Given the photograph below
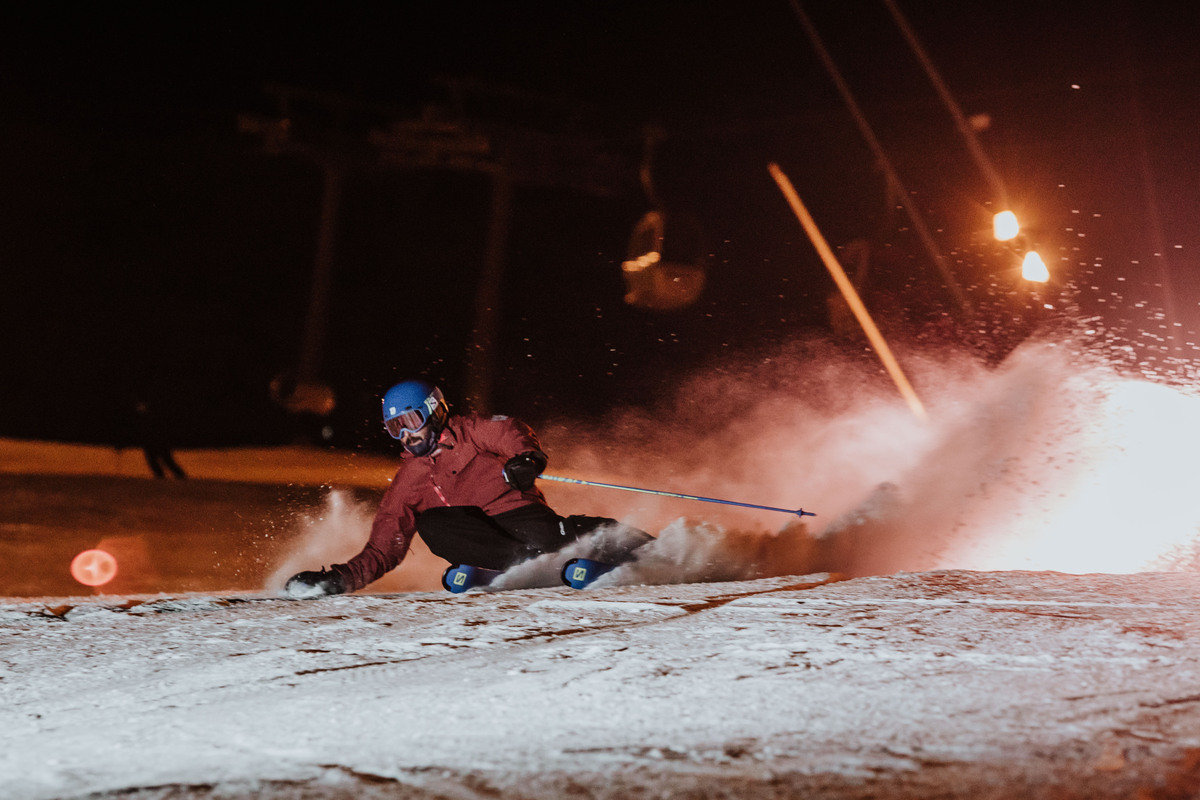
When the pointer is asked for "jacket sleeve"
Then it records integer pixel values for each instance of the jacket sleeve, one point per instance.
(505, 437)
(391, 534)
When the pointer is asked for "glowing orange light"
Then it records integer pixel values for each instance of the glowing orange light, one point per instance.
(93, 568)
(1034, 269)
(642, 262)
(1005, 226)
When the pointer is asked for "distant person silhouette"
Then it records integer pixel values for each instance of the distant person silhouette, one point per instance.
(147, 433)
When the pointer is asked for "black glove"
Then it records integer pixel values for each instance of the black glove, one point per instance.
(522, 470)
(304, 585)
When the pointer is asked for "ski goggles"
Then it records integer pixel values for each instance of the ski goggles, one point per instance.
(411, 420)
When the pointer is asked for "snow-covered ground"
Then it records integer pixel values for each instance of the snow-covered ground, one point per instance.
(941, 684)
(1000, 601)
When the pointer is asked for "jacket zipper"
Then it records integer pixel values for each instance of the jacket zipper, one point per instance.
(438, 489)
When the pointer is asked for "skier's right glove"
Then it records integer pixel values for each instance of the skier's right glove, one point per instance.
(522, 470)
(304, 585)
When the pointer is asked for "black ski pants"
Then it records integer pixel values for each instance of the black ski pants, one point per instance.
(466, 535)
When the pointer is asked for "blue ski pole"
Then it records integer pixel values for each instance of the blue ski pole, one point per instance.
(799, 512)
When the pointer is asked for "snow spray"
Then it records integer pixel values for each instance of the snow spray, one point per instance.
(336, 533)
(329, 535)
(1050, 460)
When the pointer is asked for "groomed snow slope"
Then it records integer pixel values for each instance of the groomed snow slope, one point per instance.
(943, 684)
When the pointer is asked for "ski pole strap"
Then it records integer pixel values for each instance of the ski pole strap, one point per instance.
(799, 512)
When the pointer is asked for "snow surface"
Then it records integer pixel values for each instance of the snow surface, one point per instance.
(999, 602)
(943, 684)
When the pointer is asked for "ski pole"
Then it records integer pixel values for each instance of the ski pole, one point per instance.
(799, 512)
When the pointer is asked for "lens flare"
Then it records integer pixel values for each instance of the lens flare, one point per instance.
(93, 568)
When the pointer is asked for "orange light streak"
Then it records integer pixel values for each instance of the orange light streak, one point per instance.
(848, 291)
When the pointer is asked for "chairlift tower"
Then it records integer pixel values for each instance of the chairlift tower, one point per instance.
(514, 138)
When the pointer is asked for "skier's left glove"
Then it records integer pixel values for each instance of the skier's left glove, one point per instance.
(304, 585)
(522, 470)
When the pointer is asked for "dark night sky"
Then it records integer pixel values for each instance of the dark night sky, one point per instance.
(147, 245)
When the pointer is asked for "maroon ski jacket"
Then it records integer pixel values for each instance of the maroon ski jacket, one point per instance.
(466, 469)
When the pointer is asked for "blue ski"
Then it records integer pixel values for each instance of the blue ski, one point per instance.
(578, 573)
(461, 577)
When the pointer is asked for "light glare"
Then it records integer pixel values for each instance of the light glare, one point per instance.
(93, 567)
(1005, 226)
(1034, 269)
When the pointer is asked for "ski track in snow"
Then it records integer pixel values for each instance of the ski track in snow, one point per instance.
(741, 685)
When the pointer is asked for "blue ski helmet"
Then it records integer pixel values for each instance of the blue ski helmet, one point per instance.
(411, 405)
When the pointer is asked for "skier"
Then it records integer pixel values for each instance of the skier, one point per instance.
(466, 484)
